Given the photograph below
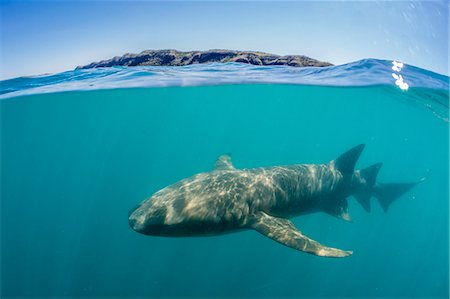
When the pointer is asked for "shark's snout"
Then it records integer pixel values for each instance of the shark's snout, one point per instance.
(146, 219)
(132, 211)
(132, 222)
(135, 219)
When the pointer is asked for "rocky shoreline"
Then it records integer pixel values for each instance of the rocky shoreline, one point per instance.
(178, 58)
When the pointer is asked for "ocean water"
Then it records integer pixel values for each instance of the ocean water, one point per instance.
(77, 155)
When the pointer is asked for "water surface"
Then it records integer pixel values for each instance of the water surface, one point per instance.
(75, 162)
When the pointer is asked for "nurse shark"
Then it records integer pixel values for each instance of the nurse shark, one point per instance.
(227, 200)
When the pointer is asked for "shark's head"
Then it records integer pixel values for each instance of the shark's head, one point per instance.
(165, 214)
(147, 219)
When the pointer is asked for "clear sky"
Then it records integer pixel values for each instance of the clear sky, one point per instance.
(52, 36)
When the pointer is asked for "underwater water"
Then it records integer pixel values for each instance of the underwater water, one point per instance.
(75, 162)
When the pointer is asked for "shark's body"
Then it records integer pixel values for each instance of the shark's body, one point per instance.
(228, 199)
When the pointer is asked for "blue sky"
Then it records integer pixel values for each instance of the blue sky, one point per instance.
(52, 36)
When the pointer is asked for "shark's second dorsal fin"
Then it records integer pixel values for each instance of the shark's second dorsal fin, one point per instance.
(224, 163)
(368, 176)
(346, 162)
(283, 231)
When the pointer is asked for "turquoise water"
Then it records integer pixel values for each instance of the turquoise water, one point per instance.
(75, 162)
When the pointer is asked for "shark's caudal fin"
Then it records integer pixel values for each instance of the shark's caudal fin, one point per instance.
(346, 162)
(387, 193)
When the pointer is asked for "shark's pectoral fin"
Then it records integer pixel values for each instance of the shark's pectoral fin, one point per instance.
(284, 232)
(224, 163)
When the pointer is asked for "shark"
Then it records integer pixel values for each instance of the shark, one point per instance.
(228, 199)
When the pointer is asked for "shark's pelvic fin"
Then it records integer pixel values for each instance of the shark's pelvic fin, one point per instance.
(284, 232)
(346, 162)
(224, 163)
(338, 209)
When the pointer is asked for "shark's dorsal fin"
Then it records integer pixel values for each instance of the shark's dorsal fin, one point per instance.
(346, 162)
(283, 231)
(338, 209)
(224, 163)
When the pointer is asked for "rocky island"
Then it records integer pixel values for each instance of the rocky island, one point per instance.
(178, 58)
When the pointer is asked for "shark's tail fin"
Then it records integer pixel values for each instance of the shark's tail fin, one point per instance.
(364, 183)
(386, 193)
(389, 192)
